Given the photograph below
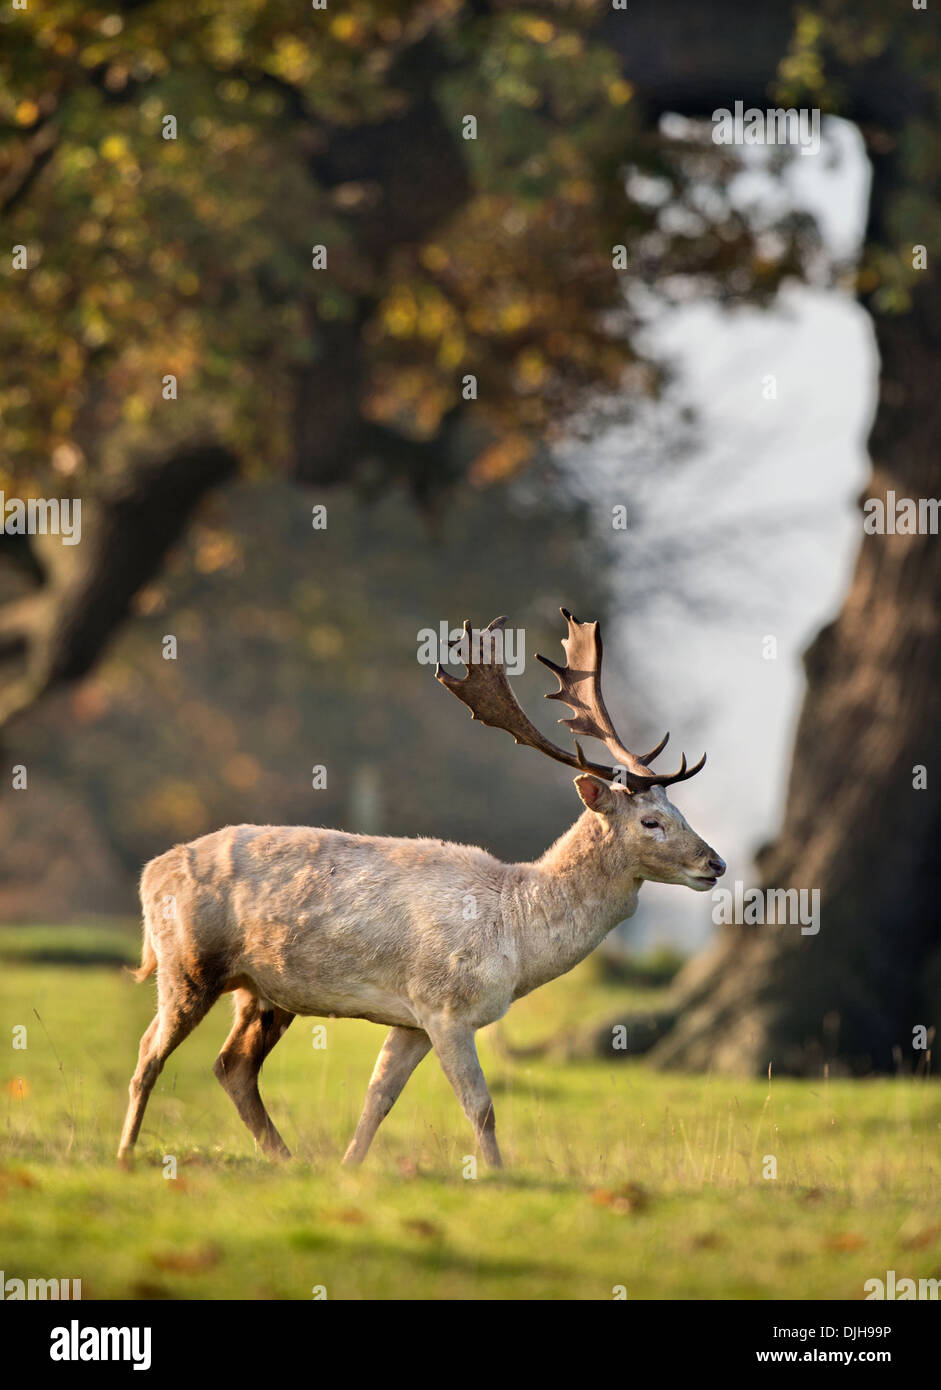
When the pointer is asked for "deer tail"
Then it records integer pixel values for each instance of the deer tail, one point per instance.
(148, 961)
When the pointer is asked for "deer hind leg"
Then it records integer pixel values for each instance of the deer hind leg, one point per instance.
(399, 1055)
(253, 1035)
(457, 1053)
(182, 1004)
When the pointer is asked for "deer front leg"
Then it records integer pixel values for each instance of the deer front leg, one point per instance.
(457, 1053)
(400, 1054)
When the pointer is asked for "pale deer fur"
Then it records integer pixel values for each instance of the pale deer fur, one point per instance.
(432, 939)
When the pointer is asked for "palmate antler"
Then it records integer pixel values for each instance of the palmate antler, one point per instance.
(486, 692)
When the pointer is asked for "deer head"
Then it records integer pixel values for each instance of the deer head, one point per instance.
(650, 837)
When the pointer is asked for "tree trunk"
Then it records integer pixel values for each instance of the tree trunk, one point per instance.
(855, 826)
(81, 594)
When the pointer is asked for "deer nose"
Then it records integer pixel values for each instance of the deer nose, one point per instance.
(717, 865)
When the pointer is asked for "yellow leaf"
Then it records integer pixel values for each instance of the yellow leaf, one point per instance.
(345, 28)
(539, 30)
(434, 258)
(113, 147)
(501, 460)
(620, 92)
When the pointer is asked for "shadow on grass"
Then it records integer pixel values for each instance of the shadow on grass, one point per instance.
(435, 1254)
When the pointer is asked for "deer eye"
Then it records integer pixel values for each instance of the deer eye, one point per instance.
(651, 824)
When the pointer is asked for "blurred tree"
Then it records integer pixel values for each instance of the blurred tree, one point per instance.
(450, 258)
(169, 172)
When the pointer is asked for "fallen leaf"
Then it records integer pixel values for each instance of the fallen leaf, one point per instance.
(350, 1216)
(422, 1227)
(707, 1240)
(191, 1261)
(922, 1239)
(630, 1197)
(16, 1177)
(846, 1240)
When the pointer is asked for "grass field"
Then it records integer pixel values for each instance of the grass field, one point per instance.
(616, 1176)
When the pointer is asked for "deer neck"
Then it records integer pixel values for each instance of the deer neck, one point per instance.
(565, 903)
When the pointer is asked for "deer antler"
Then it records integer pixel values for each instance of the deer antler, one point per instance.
(580, 689)
(486, 691)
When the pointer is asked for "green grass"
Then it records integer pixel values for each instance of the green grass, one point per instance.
(616, 1175)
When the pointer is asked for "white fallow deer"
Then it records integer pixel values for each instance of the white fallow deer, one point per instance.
(293, 920)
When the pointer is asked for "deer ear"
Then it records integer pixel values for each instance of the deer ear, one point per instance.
(595, 793)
